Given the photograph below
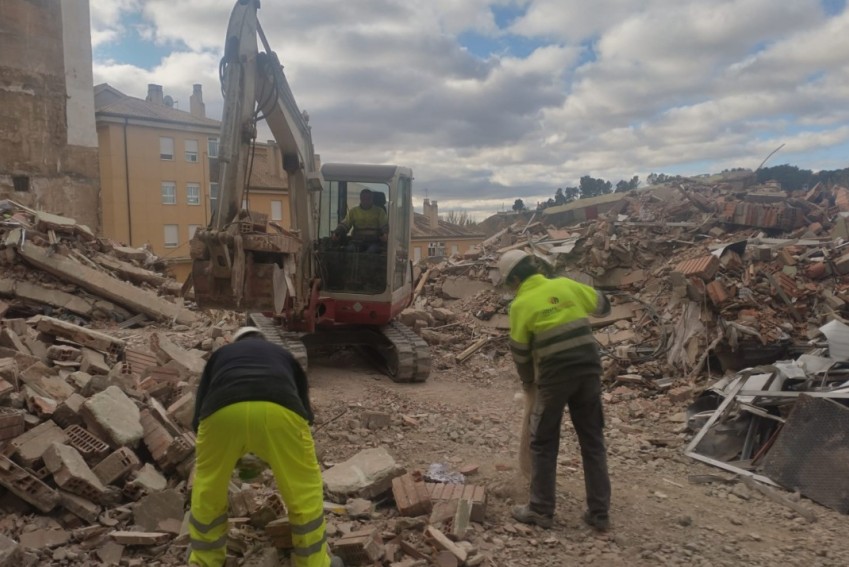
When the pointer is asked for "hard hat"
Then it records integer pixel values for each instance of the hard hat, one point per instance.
(245, 331)
(508, 261)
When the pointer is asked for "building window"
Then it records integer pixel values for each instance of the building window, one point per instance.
(166, 148)
(193, 228)
(245, 205)
(436, 249)
(169, 193)
(276, 210)
(417, 254)
(192, 193)
(212, 147)
(455, 249)
(213, 197)
(172, 237)
(191, 150)
(20, 183)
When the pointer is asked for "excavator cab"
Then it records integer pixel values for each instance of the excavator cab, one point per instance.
(357, 265)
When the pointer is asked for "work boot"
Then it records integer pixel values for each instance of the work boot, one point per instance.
(598, 522)
(336, 561)
(525, 515)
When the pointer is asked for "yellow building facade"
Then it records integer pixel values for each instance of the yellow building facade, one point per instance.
(436, 238)
(159, 172)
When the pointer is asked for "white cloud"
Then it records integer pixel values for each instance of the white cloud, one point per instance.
(615, 87)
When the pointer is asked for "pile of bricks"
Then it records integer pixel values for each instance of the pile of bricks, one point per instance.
(87, 429)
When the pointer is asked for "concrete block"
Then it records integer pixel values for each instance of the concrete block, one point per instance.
(680, 394)
(117, 465)
(160, 511)
(71, 472)
(30, 446)
(44, 539)
(145, 481)
(93, 362)
(363, 547)
(411, 496)
(77, 505)
(12, 423)
(376, 419)
(182, 410)
(26, 486)
(68, 412)
(114, 416)
(10, 552)
(139, 538)
(367, 474)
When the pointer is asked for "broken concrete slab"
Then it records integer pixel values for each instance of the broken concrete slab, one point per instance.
(114, 417)
(166, 351)
(103, 285)
(461, 287)
(367, 474)
(159, 511)
(71, 472)
(80, 335)
(30, 446)
(44, 539)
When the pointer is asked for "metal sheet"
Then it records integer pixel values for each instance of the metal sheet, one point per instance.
(811, 454)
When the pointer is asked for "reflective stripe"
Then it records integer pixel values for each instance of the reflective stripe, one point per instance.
(560, 346)
(310, 549)
(204, 528)
(522, 347)
(565, 327)
(521, 358)
(198, 545)
(312, 525)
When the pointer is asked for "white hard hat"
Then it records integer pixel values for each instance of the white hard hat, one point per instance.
(244, 331)
(508, 261)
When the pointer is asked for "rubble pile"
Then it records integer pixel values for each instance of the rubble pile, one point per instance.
(702, 277)
(96, 439)
(52, 265)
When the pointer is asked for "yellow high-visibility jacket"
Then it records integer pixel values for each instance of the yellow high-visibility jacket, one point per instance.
(367, 223)
(550, 329)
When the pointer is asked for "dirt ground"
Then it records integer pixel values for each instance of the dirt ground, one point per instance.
(470, 415)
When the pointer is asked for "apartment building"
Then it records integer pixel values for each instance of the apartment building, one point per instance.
(159, 171)
(434, 238)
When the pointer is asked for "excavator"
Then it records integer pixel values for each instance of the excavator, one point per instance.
(306, 290)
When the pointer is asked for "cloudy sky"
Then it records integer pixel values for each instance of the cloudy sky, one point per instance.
(489, 101)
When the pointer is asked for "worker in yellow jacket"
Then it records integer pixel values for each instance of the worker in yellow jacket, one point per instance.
(253, 398)
(554, 351)
(369, 223)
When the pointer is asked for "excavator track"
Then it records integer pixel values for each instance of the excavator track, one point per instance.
(409, 358)
(275, 334)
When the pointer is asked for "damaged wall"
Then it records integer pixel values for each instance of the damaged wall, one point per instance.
(48, 144)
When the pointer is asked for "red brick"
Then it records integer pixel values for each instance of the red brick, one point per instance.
(26, 486)
(717, 292)
(280, 533)
(117, 465)
(704, 267)
(90, 446)
(473, 493)
(362, 547)
(140, 538)
(411, 496)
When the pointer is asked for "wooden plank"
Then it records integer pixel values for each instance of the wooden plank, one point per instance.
(479, 344)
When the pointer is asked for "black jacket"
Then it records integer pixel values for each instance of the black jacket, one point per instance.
(252, 370)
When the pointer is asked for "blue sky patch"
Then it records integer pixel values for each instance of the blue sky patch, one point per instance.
(833, 7)
(485, 47)
(132, 48)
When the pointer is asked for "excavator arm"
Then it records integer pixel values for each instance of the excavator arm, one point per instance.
(236, 263)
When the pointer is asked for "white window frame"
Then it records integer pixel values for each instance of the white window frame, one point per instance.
(192, 229)
(435, 249)
(193, 194)
(166, 148)
(175, 232)
(417, 254)
(212, 143)
(168, 192)
(276, 215)
(191, 154)
(213, 196)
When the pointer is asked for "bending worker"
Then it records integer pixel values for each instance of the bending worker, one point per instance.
(555, 353)
(369, 222)
(253, 398)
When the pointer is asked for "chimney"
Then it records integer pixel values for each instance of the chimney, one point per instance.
(154, 94)
(431, 211)
(196, 105)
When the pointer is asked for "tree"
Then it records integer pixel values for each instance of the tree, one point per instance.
(622, 186)
(657, 178)
(634, 183)
(790, 177)
(460, 219)
(592, 187)
(519, 205)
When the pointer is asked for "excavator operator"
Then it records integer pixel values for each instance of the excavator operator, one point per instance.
(253, 398)
(370, 225)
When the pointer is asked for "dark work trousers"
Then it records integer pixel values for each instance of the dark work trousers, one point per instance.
(582, 394)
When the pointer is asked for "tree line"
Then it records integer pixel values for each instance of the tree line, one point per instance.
(790, 177)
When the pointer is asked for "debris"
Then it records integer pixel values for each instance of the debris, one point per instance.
(367, 474)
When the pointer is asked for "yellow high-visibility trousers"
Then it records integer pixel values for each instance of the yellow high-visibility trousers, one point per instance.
(281, 438)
